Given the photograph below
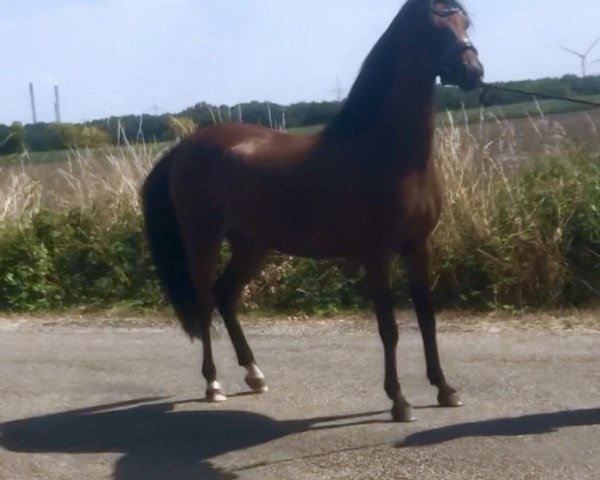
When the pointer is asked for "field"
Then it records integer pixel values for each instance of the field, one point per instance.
(524, 110)
(63, 177)
(508, 138)
(521, 227)
(535, 132)
(531, 108)
(530, 122)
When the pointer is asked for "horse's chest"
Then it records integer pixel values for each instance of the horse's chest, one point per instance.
(418, 207)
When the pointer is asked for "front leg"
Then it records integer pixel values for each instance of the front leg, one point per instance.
(378, 280)
(417, 261)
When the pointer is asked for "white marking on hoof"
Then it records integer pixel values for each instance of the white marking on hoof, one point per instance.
(256, 380)
(215, 393)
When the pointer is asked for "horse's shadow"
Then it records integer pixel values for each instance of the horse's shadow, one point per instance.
(535, 424)
(157, 440)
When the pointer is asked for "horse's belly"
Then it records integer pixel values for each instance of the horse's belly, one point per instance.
(319, 231)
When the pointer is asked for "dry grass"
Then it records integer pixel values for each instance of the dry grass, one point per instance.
(110, 176)
(508, 208)
(20, 195)
(114, 179)
(470, 163)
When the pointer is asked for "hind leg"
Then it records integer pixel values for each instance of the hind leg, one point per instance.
(247, 257)
(203, 263)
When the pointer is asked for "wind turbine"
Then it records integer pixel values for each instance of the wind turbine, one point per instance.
(582, 56)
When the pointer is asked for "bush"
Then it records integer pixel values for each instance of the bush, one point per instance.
(525, 236)
(27, 279)
(12, 138)
(67, 259)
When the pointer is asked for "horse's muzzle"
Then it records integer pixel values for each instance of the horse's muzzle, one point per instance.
(463, 69)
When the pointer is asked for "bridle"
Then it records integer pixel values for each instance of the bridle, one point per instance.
(459, 46)
(447, 12)
(463, 45)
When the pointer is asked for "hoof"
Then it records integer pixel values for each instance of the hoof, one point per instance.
(449, 398)
(255, 379)
(403, 412)
(257, 384)
(215, 393)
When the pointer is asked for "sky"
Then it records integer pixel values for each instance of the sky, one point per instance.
(116, 57)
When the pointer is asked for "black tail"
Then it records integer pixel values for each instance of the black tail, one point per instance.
(166, 246)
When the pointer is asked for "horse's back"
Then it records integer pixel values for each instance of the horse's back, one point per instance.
(249, 145)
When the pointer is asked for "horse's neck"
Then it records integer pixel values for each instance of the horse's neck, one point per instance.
(404, 131)
(404, 128)
(396, 131)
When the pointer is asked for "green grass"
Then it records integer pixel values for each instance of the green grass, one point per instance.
(60, 156)
(35, 158)
(520, 110)
(513, 111)
(310, 130)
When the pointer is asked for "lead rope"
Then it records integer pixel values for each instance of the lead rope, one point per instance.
(485, 87)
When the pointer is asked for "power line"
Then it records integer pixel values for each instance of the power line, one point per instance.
(338, 90)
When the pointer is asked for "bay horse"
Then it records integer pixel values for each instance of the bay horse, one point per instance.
(364, 189)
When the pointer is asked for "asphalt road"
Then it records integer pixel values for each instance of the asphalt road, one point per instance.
(97, 400)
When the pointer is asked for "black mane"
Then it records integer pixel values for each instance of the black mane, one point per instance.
(375, 78)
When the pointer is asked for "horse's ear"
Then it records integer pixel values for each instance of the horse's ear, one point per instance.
(419, 8)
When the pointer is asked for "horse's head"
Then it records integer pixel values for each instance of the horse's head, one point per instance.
(457, 59)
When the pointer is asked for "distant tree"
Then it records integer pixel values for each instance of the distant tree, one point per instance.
(154, 128)
(589, 85)
(12, 138)
(80, 136)
(181, 127)
(67, 134)
(310, 113)
(4, 136)
(201, 113)
(41, 137)
(90, 136)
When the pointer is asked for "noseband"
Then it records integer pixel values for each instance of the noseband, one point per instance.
(465, 45)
